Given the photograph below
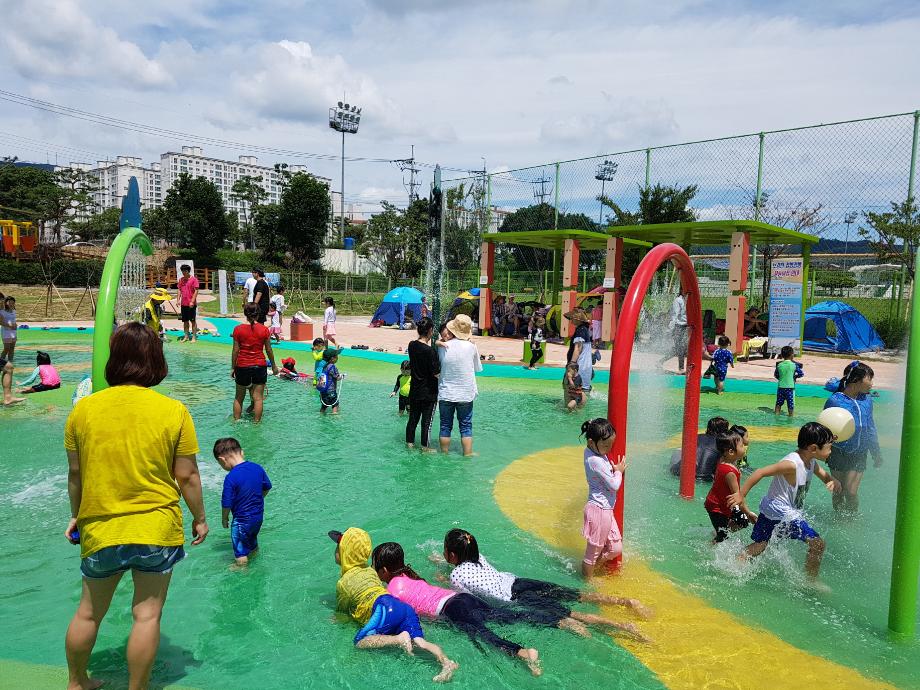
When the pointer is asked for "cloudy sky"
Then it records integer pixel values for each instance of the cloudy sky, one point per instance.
(509, 82)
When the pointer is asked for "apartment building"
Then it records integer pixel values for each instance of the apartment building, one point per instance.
(112, 181)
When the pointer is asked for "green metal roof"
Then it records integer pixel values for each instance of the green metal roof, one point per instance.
(555, 239)
(709, 233)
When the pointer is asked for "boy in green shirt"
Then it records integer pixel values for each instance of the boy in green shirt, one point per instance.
(787, 372)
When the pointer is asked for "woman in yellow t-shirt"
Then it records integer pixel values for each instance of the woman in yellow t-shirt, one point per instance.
(131, 452)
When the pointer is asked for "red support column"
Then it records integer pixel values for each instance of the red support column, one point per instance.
(486, 276)
(617, 401)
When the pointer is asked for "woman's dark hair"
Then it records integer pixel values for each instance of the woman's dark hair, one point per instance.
(716, 426)
(463, 545)
(225, 446)
(390, 555)
(42, 358)
(135, 357)
(727, 442)
(814, 433)
(424, 326)
(738, 429)
(598, 429)
(251, 311)
(855, 372)
(329, 301)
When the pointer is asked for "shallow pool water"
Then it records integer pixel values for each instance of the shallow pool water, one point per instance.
(273, 626)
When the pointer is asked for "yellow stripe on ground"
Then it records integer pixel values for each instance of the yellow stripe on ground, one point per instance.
(696, 645)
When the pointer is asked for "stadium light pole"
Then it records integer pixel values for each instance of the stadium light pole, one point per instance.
(849, 218)
(344, 118)
(605, 172)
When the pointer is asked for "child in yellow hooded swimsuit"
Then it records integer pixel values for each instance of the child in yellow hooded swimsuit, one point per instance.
(385, 620)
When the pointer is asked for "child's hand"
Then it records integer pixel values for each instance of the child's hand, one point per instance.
(392, 394)
(752, 516)
(225, 523)
(436, 558)
(833, 486)
(441, 577)
(619, 466)
(734, 500)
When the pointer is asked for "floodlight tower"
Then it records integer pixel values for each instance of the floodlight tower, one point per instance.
(849, 219)
(344, 118)
(605, 172)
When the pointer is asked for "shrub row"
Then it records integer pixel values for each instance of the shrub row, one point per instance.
(65, 272)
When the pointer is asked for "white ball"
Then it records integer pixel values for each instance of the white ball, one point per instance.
(839, 421)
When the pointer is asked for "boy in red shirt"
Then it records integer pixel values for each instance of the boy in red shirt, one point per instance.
(188, 294)
(726, 482)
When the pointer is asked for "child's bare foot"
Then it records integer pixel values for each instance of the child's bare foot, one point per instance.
(447, 671)
(532, 658)
(405, 641)
(242, 561)
(631, 629)
(574, 626)
(85, 684)
(818, 586)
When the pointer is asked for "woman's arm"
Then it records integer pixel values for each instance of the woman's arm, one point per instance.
(74, 490)
(185, 470)
(271, 357)
(234, 353)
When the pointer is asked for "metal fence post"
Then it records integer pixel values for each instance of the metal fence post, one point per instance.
(648, 167)
(759, 178)
(556, 201)
(488, 227)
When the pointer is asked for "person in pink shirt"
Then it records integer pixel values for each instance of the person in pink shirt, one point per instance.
(44, 377)
(467, 612)
(188, 296)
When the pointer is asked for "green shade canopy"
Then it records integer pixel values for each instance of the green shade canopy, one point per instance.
(555, 239)
(710, 233)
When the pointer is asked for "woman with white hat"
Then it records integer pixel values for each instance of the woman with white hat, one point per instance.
(457, 388)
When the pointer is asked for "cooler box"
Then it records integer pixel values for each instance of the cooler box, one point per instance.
(301, 331)
(527, 353)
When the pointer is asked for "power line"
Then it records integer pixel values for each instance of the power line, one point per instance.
(151, 130)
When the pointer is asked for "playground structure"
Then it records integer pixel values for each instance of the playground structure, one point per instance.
(20, 238)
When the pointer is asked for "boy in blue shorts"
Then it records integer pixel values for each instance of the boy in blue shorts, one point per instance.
(781, 509)
(722, 358)
(245, 488)
(385, 621)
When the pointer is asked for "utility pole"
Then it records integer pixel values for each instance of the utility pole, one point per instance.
(540, 193)
(407, 165)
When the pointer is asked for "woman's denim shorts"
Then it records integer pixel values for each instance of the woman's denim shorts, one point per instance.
(143, 557)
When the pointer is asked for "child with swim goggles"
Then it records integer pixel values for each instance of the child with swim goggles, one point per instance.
(385, 621)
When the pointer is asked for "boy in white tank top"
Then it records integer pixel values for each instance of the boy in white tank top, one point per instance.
(781, 508)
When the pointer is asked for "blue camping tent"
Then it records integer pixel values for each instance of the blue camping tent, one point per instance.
(854, 333)
(399, 305)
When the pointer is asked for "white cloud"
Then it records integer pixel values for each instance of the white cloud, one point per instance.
(57, 40)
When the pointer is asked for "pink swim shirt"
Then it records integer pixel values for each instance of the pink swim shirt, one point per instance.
(427, 600)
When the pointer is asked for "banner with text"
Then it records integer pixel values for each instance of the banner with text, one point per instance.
(785, 302)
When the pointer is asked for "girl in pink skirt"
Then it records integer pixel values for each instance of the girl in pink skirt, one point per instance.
(604, 479)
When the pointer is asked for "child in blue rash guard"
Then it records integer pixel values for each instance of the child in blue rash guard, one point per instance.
(328, 382)
(848, 458)
(245, 488)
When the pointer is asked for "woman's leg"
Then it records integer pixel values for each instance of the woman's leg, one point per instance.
(257, 401)
(427, 417)
(83, 628)
(149, 596)
(415, 413)
(465, 421)
(446, 413)
(238, 402)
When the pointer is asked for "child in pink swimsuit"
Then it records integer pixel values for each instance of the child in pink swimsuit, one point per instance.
(44, 377)
(469, 613)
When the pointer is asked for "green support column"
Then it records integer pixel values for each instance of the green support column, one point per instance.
(905, 561)
(806, 264)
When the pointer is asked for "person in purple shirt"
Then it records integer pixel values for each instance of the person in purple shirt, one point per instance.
(245, 488)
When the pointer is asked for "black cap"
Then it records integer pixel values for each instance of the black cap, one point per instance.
(335, 536)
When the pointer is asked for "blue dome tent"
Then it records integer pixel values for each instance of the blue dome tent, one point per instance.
(400, 305)
(854, 333)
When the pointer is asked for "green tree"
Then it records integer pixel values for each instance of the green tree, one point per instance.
(248, 190)
(22, 190)
(897, 232)
(196, 209)
(658, 204)
(266, 225)
(304, 217)
(71, 197)
(538, 217)
(99, 226)
(157, 224)
(395, 240)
